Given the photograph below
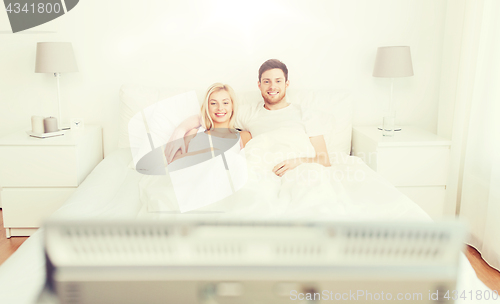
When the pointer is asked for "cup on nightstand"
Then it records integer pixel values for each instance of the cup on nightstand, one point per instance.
(50, 125)
(37, 125)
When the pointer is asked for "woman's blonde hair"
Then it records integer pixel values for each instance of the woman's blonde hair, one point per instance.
(206, 120)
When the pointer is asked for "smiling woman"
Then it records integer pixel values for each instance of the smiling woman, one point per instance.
(219, 107)
(218, 113)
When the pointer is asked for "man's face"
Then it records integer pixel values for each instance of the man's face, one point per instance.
(273, 86)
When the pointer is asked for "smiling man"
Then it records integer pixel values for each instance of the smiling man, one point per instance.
(274, 113)
(273, 82)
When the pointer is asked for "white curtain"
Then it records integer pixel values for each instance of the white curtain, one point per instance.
(479, 177)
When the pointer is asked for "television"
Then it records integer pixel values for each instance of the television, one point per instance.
(249, 261)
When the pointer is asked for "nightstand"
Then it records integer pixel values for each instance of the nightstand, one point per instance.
(416, 161)
(38, 175)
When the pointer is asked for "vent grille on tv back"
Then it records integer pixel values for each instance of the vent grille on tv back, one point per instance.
(253, 244)
(389, 243)
(307, 251)
(120, 243)
(219, 250)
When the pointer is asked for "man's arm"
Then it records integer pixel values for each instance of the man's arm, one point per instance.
(174, 144)
(245, 137)
(319, 144)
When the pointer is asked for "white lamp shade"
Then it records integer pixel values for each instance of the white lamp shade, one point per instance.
(393, 61)
(55, 57)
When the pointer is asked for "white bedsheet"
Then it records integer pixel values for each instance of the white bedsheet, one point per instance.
(340, 192)
(111, 191)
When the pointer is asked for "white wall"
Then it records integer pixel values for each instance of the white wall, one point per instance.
(191, 44)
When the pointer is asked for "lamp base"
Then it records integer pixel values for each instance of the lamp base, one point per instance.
(396, 128)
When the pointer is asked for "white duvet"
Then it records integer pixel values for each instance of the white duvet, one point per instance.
(112, 191)
(308, 191)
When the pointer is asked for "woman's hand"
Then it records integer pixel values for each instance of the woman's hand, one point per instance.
(183, 150)
(286, 165)
(175, 144)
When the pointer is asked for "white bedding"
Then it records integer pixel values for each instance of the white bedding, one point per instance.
(266, 195)
(111, 191)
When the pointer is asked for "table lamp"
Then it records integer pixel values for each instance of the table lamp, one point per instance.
(392, 62)
(57, 58)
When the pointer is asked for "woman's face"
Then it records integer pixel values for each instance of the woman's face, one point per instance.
(220, 107)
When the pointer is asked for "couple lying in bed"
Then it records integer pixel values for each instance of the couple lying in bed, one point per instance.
(220, 114)
(284, 168)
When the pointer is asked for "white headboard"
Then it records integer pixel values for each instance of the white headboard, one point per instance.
(335, 107)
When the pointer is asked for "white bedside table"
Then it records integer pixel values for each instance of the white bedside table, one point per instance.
(414, 160)
(38, 175)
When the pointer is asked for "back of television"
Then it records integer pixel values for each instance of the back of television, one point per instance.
(250, 262)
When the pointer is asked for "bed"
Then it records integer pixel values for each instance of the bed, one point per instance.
(112, 191)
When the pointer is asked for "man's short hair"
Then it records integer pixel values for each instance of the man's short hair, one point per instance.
(273, 64)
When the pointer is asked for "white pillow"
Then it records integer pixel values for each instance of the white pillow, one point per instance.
(152, 127)
(335, 108)
(334, 105)
(133, 99)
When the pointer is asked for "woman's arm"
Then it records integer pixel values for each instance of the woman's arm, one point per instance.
(245, 137)
(187, 139)
(174, 145)
(181, 155)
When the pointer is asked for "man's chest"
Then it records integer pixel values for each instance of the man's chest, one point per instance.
(266, 122)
